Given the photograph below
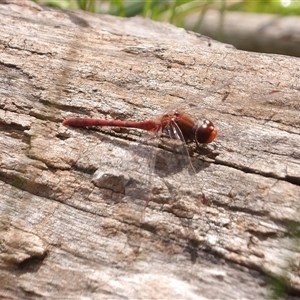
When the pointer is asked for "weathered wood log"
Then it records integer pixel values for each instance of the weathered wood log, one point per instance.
(73, 216)
(267, 33)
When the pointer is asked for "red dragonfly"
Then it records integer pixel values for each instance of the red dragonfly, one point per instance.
(177, 125)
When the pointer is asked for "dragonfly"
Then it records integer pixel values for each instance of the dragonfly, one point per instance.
(177, 125)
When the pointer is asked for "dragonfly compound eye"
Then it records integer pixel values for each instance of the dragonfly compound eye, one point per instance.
(206, 133)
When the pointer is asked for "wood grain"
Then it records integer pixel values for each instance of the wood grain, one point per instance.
(73, 222)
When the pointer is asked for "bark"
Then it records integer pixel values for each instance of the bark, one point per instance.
(73, 216)
(252, 32)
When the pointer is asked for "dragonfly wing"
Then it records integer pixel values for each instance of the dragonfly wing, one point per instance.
(173, 131)
(127, 169)
(174, 168)
(179, 170)
(131, 183)
(179, 147)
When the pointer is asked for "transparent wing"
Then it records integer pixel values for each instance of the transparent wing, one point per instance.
(124, 177)
(178, 173)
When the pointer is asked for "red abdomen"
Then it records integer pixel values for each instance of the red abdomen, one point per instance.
(88, 122)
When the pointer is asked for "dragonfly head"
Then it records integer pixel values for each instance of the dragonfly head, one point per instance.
(205, 133)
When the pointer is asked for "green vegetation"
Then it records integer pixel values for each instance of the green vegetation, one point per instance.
(175, 11)
(283, 7)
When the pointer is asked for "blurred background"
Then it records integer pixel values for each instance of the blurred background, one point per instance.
(270, 26)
